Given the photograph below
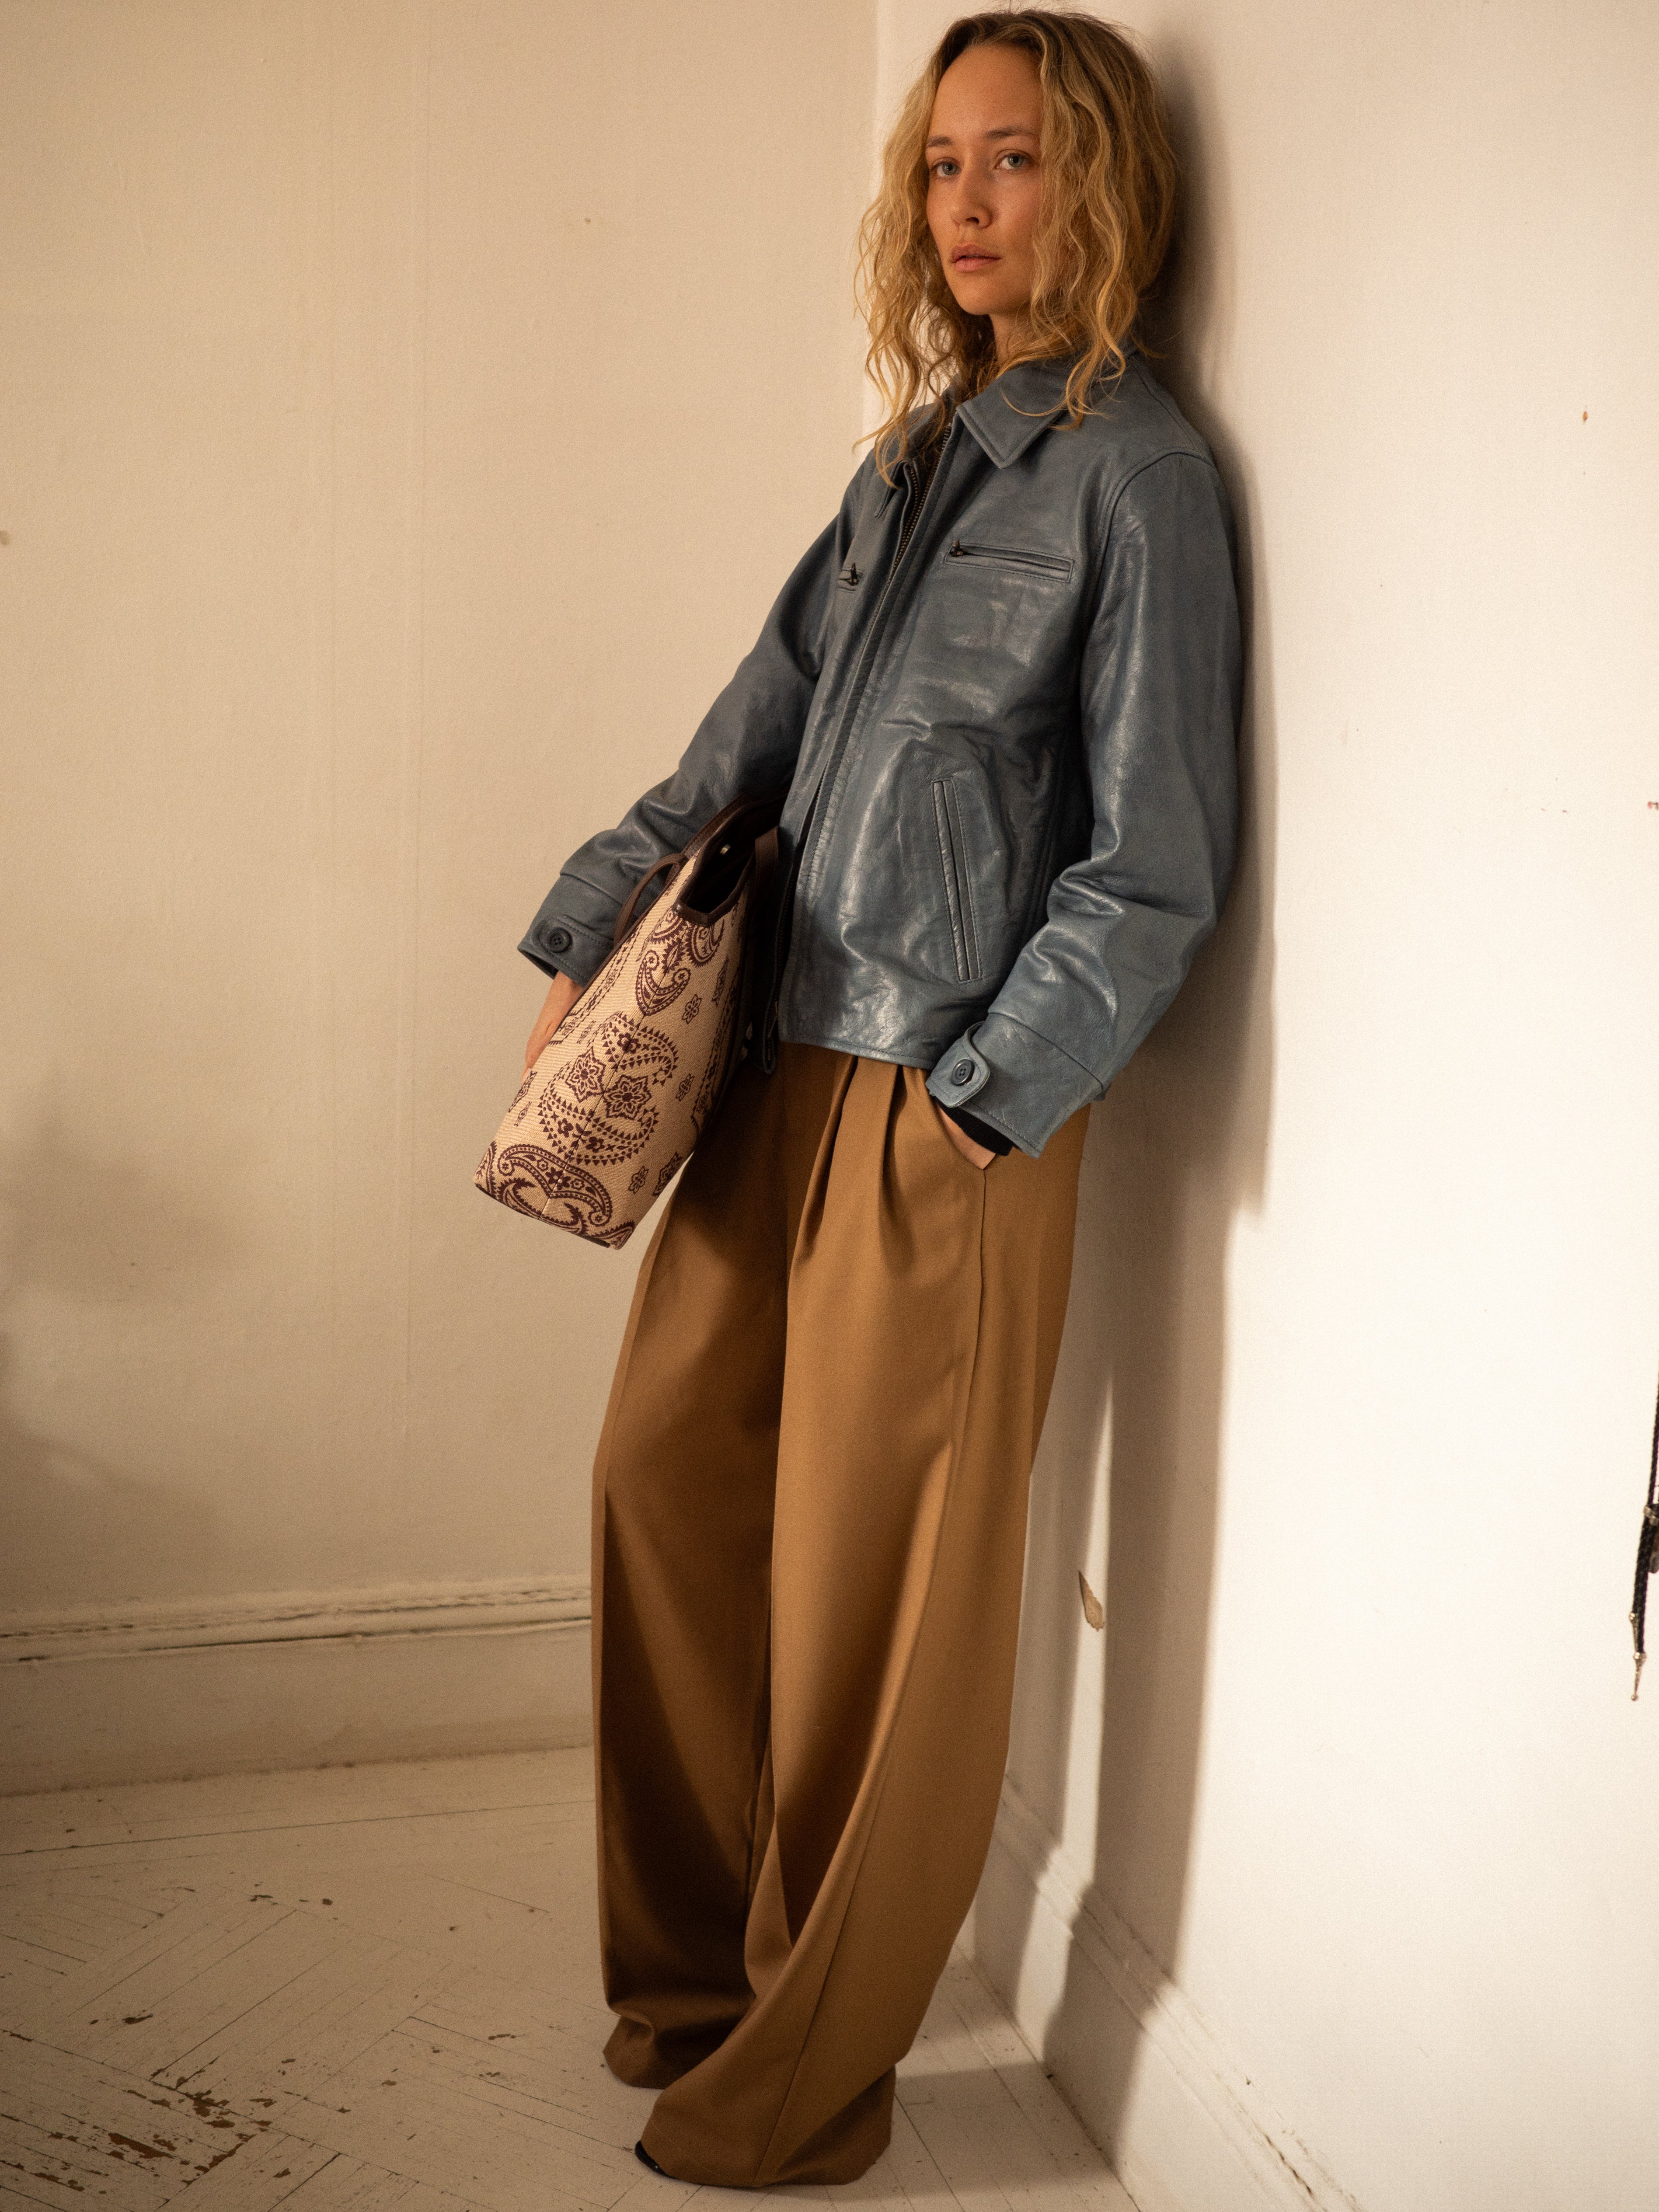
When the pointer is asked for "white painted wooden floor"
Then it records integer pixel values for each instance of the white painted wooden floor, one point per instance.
(377, 1986)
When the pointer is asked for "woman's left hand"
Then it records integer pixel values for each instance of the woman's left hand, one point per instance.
(562, 993)
(981, 1155)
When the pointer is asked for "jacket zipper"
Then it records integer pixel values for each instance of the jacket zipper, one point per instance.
(811, 827)
(1011, 556)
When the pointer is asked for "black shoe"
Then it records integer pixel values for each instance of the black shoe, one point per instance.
(646, 2159)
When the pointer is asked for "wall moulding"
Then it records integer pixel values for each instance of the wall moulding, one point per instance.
(292, 1616)
(292, 1678)
(1192, 2131)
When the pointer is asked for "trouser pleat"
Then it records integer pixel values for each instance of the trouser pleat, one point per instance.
(810, 1501)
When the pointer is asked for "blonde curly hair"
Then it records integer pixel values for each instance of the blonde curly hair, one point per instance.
(1107, 213)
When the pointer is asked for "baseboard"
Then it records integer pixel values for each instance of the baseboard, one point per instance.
(165, 1692)
(1191, 2131)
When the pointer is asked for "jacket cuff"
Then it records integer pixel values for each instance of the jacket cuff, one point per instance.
(981, 1132)
(560, 945)
(1014, 1079)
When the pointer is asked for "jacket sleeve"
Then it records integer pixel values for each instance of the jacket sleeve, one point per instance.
(746, 743)
(1159, 693)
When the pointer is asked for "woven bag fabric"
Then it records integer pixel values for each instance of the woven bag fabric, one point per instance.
(619, 1094)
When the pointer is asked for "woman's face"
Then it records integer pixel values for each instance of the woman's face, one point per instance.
(985, 181)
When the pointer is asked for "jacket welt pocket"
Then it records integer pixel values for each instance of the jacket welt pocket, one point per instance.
(1009, 556)
(958, 887)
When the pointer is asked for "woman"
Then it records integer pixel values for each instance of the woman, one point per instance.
(1002, 690)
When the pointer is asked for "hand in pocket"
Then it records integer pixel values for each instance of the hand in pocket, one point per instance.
(980, 1156)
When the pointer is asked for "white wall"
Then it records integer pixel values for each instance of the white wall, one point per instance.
(1328, 1870)
(412, 408)
(363, 553)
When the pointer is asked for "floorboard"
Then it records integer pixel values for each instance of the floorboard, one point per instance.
(374, 1990)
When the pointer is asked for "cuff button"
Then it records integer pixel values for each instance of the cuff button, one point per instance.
(558, 940)
(963, 1072)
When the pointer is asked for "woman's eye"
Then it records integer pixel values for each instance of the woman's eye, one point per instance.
(944, 168)
(1016, 157)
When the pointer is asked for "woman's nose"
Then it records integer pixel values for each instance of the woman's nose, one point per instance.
(968, 204)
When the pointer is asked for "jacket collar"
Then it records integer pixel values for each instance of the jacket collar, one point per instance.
(1022, 404)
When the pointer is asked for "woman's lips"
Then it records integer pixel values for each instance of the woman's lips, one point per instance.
(972, 260)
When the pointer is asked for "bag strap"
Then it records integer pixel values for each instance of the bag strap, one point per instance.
(625, 918)
(1647, 1560)
(766, 869)
(760, 891)
(768, 808)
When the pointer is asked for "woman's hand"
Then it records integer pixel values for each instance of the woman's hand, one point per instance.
(561, 997)
(981, 1155)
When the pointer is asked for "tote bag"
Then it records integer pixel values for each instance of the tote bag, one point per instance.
(627, 1084)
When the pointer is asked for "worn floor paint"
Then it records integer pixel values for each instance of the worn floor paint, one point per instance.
(376, 1987)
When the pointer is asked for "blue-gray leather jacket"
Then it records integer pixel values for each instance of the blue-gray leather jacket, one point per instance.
(1007, 718)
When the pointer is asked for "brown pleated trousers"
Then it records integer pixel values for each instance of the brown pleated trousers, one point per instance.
(809, 1533)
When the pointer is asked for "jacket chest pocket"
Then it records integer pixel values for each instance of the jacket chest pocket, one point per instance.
(956, 864)
(1009, 556)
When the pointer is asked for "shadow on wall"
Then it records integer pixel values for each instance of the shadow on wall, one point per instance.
(1177, 1152)
(89, 1232)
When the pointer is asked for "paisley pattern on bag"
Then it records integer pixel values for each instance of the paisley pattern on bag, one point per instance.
(596, 1106)
(669, 952)
(609, 1113)
(532, 1179)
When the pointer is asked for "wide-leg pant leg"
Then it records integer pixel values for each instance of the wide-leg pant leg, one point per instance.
(926, 1299)
(683, 1500)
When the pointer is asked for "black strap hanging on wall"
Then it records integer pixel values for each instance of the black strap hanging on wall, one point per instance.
(1647, 1558)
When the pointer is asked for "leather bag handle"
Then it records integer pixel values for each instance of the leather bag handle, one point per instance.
(766, 854)
(625, 918)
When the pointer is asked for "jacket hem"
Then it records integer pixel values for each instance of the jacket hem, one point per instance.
(895, 1056)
